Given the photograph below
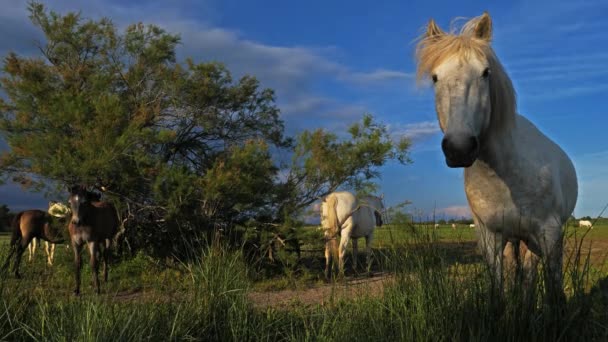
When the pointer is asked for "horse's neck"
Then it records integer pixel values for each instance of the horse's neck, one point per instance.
(499, 147)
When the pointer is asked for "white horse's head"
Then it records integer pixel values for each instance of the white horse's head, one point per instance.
(469, 82)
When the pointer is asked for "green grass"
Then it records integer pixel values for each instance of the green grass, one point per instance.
(436, 296)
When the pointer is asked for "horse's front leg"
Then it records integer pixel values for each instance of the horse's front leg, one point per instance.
(50, 252)
(492, 246)
(93, 251)
(77, 265)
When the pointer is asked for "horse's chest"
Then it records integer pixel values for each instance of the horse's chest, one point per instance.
(81, 234)
(506, 198)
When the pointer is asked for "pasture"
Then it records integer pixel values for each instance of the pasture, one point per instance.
(428, 284)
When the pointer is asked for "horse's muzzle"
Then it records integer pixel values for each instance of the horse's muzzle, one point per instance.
(460, 150)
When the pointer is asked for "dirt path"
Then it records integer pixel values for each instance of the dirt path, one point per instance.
(321, 294)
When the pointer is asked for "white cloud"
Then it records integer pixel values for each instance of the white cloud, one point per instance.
(456, 211)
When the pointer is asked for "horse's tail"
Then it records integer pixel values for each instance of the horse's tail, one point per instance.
(332, 215)
(16, 227)
(15, 237)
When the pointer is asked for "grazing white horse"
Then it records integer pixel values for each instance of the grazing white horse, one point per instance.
(436, 225)
(520, 185)
(58, 210)
(453, 226)
(472, 225)
(348, 217)
(585, 223)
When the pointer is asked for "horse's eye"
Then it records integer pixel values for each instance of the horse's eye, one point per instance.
(434, 77)
(486, 73)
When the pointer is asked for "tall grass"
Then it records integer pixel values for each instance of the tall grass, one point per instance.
(430, 298)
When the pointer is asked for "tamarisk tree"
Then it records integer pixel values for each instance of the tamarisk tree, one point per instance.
(181, 148)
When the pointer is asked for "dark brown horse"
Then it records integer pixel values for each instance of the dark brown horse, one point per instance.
(94, 223)
(26, 226)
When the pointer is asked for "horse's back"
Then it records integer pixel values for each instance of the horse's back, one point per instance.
(31, 219)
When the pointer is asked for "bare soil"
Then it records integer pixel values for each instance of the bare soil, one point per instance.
(322, 294)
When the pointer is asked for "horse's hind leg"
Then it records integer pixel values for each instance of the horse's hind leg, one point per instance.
(551, 245)
(342, 251)
(331, 258)
(530, 269)
(31, 248)
(107, 253)
(355, 253)
(50, 252)
(93, 251)
(77, 266)
(368, 253)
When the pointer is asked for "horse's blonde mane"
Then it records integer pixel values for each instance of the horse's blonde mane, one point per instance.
(432, 50)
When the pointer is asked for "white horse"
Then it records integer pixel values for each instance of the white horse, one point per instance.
(348, 217)
(520, 185)
(585, 223)
(472, 225)
(453, 226)
(436, 225)
(58, 210)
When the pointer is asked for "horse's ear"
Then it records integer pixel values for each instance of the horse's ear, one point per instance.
(432, 30)
(483, 28)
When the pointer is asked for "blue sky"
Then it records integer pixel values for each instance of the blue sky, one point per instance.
(332, 61)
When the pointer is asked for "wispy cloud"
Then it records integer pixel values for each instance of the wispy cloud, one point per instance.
(293, 71)
(376, 76)
(415, 131)
(558, 52)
